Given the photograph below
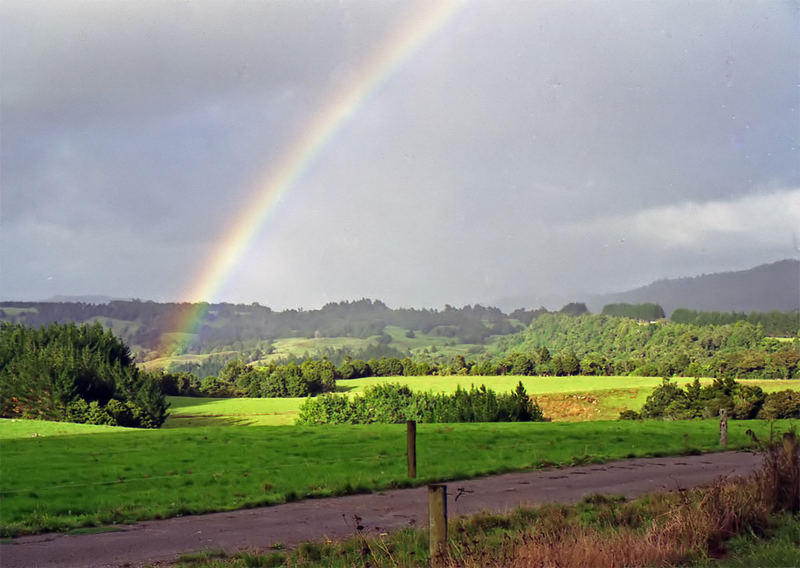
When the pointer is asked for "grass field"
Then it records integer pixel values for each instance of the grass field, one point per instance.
(73, 479)
(164, 362)
(11, 429)
(572, 399)
(537, 385)
(447, 347)
(188, 411)
(314, 347)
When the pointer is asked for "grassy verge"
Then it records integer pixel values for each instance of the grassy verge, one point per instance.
(61, 482)
(780, 548)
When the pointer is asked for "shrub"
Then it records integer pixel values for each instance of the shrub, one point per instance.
(78, 411)
(97, 415)
(394, 403)
(325, 409)
(662, 396)
(668, 400)
(119, 413)
(781, 404)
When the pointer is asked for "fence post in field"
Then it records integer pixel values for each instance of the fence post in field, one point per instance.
(411, 447)
(723, 427)
(437, 515)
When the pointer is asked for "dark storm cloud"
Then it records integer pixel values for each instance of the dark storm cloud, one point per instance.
(526, 148)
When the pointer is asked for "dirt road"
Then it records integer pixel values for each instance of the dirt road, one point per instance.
(160, 542)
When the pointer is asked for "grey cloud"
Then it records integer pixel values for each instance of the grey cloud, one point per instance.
(78, 58)
(496, 161)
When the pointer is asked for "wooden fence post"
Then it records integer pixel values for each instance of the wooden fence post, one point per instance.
(437, 515)
(723, 427)
(411, 447)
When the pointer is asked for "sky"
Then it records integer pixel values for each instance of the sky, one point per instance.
(504, 149)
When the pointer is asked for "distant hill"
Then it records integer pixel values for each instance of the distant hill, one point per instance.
(95, 299)
(765, 288)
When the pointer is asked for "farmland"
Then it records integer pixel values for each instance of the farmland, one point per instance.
(218, 454)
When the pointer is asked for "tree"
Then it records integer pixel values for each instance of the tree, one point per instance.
(564, 363)
(664, 395)
(574, 309)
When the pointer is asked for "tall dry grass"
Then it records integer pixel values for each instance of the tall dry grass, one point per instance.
(779, 477)
(684, 527)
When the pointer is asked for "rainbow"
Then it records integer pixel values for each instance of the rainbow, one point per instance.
(318, 134)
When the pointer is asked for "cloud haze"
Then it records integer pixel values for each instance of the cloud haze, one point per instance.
(527, 148)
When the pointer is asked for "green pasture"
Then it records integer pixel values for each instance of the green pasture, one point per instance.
(58, 482)
(434, 344)
(164, 362)
(507, 383)
(11, 429)
(538, 385)
(314, 346)
(188, 411)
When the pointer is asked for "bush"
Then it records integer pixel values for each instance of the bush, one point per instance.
(97, 415)
(326, 409)
(662, 396)
(668, 400)
(119, 413)
(394, 403)
(781, 404)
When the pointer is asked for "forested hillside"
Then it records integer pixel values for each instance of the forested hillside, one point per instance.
(602, 344)
(776, 324)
